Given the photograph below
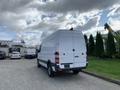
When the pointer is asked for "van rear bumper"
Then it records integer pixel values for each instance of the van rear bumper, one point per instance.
(57, 68)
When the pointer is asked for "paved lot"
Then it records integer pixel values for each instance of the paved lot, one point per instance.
(24, 75)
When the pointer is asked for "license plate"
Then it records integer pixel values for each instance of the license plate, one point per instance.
(67, 66)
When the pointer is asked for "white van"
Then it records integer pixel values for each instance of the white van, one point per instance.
(63, 50)
(30, 52)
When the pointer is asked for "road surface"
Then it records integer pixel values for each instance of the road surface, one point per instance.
(24, 75)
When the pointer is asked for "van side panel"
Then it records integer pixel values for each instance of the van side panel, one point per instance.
(48, 48)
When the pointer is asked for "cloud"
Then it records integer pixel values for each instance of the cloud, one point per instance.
(76, 5)
(23, 16)
(115, 10)
(19, 15)
(91, 23)
(5, 34)
(94, 31)
(12, 5)
(13, 21)
(114, 23)
(31, 38)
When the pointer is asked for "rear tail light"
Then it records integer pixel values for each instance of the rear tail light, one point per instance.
(57, 57)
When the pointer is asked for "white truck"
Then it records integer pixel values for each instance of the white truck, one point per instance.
(63, 50)
(30, 52)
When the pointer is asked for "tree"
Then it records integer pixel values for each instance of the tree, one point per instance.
(99, 46)
(110, 45)
(86, 41)
(118, 46)
(91, 46)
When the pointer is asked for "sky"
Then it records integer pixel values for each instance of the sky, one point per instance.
(32, 20)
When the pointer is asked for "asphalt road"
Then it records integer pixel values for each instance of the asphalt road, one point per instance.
(24, 75)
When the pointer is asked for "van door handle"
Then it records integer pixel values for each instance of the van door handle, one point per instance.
(76, 56)
(73, 50)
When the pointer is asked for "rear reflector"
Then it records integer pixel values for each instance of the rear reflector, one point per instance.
(57, 57)
(57, 60)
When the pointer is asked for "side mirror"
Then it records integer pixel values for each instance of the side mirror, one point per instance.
(38, 50)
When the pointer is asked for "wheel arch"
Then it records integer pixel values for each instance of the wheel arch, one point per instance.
(48, 62)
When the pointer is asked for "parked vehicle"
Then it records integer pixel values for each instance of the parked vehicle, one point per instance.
(15, 55)
(2, 55)
(63, 50)
(30, 52)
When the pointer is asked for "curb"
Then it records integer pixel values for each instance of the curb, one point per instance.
(102, 77)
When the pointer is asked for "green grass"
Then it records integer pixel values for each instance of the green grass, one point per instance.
(106, 67)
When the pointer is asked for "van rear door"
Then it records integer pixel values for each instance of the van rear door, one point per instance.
(79, 50)
(66, 44)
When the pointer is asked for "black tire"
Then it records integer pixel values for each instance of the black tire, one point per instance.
(50, 70)
(38, 64)
(75, 72)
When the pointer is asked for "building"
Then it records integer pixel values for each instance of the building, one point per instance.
(17, 45)
(4, 46)
(8, 46)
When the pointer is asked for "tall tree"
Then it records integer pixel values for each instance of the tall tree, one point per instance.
(110, 45)
(91, 46)
(119, 47)
(86, 41)
(99, 46)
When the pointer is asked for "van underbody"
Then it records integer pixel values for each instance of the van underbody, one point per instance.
(57, 68)
(66, 68)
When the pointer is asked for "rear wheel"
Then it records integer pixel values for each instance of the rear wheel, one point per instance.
(38, 64)
(50, 70)
(75, 72)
